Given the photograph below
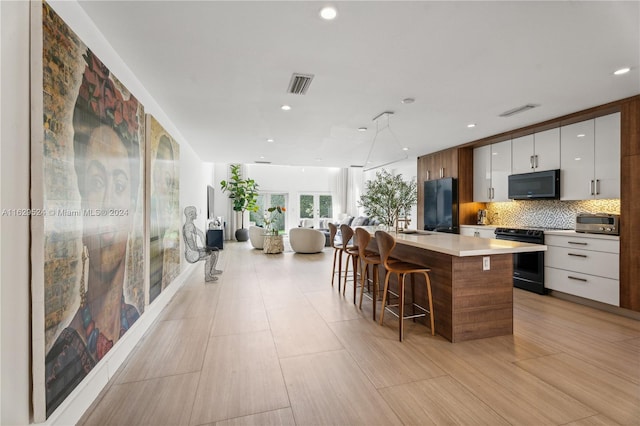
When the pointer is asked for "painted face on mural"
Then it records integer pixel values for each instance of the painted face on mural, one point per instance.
(164, 181)
(108, 191)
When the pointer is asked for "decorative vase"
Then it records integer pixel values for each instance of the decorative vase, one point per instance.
(242, 234)
(273, 244)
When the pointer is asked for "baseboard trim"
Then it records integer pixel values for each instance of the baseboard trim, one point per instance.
(594, 304)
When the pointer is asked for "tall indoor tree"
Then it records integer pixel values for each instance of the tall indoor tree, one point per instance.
(243, 194)
(388, 196)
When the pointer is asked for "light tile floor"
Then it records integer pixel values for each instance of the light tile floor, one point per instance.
(272, 343)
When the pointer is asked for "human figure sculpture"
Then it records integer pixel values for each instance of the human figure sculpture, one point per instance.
(192, 252)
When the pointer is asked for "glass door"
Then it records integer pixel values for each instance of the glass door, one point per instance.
(269, 199)
(316, 208)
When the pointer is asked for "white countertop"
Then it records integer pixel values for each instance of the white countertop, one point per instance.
(460, 245)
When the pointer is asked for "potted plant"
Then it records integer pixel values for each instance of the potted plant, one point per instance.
(388, 197)
(273, 242)
(244, 194)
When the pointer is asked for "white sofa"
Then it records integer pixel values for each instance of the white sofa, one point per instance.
(256, 236)
(306, 240)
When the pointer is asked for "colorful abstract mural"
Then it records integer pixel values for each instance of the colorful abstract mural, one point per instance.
(164, 223)
(87, 232)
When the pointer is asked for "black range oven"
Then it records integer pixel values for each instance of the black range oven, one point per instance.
(528, 268)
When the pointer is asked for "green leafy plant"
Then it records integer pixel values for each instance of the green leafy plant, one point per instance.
(243, 192)
(272, 218)
(388, 197)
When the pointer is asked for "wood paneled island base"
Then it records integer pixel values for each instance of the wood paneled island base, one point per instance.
(468, 303)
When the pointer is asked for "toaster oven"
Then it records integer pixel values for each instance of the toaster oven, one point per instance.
(598, 223)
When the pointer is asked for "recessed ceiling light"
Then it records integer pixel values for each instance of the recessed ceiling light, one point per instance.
(405, 149)
(581, 135)
(577, 158)
(408, 100)
(622, 71)
(285, 107)
(270, 140)
(262, 157)
(362, 129)
(328, 13)
(470, 125)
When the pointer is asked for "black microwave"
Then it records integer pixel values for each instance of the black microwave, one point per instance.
(535, 186)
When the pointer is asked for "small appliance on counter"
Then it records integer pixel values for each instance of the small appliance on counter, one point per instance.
(598, 223)
(482, 217)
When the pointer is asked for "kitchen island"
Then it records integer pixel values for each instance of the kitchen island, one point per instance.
(471, 280)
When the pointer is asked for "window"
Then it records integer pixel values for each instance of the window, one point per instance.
(316, 207)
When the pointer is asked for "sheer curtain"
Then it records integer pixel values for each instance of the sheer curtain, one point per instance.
(341, 184)
(354, 191)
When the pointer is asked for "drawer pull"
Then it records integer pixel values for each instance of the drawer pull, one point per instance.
(580, 244)
(576, 278)
(577, 255)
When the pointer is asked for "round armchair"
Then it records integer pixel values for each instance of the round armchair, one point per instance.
(306, 240)
(256, 236)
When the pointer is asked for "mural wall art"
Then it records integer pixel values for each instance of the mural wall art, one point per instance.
(87, 221)
(164, 223)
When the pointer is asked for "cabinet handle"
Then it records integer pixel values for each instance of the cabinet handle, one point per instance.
(531, 161)
(441, 172)
(577, 255)
(580, 244)
(576, 278)
(489, 193)
(493, 193)
(591, 187)
(597, 186)
(535, 162)
(428, 174)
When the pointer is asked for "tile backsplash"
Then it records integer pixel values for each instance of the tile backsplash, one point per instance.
(546, 213)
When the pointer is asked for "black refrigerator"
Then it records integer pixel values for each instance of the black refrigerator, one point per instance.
(441, 205)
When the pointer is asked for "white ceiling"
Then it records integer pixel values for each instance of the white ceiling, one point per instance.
(220, 70)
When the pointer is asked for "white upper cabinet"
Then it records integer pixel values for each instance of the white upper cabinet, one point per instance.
(500, 170)
(482, 174)
(577, 160)
(547, 150)
(607, 156)
(537, 152)
(523, 153)
(590, 159)
(491, 168)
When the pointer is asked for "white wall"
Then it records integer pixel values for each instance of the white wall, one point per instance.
(293, 180)
(15, 326)
(15, 320)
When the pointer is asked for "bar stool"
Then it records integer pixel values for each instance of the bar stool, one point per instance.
(337, 251)
(368, 258)
(386, 243)
(352, 253)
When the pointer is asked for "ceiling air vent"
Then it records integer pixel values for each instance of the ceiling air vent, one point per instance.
(262, 162)
(299, 83)
(356, 166)
(518, 110)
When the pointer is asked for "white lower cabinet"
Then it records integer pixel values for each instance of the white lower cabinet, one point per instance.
(592, 287)
(584, 266)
